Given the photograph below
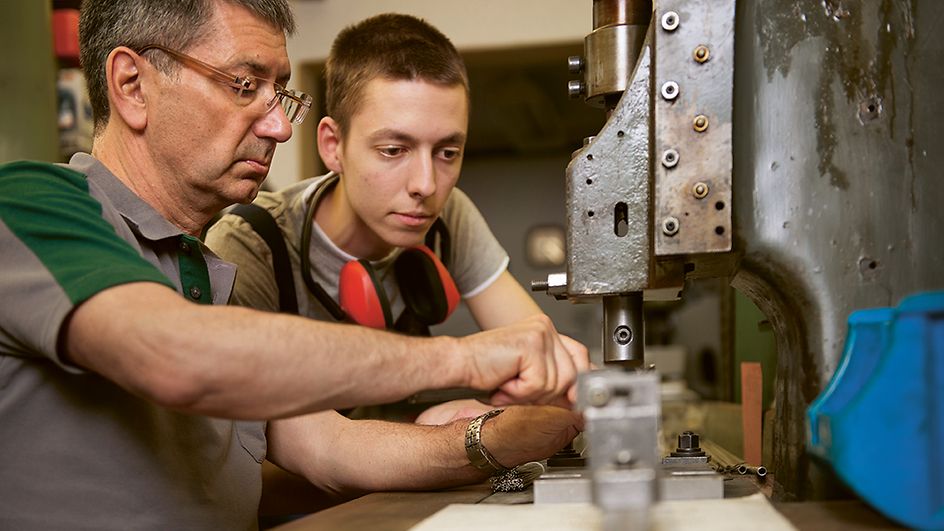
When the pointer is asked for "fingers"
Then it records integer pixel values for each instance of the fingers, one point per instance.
(533, 363)
(578, 352)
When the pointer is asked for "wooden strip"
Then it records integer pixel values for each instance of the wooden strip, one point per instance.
(752, 394)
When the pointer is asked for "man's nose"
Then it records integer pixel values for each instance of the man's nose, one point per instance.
(423, 177)
(274, 124)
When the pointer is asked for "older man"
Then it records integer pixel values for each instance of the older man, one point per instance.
(127, 399)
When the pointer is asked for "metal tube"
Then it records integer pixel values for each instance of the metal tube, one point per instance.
(615, 12)
(623, 337)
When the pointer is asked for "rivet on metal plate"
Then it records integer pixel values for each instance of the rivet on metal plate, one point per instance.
(700, 123)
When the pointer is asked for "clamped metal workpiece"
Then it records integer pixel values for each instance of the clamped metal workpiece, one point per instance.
(622, 412)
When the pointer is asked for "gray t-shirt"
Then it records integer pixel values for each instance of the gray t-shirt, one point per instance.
(79, 452)
(476, 259)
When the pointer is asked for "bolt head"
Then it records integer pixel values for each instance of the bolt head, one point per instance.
(701, 53)
(670, 21)
(688, 440)
(670, 158)
(670, 226)
(598, 396)
(700, 123)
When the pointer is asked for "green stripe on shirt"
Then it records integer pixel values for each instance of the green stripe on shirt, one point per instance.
(50, 210)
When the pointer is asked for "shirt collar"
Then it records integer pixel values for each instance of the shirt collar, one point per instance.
(142, 218)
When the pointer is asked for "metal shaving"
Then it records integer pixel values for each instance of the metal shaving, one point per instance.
(517, 479)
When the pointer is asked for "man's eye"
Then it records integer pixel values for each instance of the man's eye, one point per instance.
(391, 151)
(450, 153)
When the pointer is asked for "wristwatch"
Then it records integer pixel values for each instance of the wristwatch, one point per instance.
(478, 455)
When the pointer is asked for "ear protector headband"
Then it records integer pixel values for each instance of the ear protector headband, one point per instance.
(428, 291)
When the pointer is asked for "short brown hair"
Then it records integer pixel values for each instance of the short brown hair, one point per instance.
(106, 24)
(391, 46)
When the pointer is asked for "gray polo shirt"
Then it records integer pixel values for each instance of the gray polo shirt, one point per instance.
(476, 260)
(79, 452)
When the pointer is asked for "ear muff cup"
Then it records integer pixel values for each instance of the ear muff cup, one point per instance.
(425, 285)
(362, 296)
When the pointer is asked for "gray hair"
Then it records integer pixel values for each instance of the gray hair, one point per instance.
(179, 24)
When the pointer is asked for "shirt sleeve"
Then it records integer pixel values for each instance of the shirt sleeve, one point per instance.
(233, 239)
(58, 251)
(477, 259)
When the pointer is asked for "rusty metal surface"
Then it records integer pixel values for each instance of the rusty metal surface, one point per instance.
(612, 170)
(838, 157)
(693, 110)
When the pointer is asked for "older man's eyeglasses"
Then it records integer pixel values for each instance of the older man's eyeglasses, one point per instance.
(252, 92)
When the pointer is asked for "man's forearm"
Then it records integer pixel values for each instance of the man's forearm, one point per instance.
(239, 363)
(356, 456)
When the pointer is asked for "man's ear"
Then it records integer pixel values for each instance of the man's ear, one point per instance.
(125, 95)
(329, 144)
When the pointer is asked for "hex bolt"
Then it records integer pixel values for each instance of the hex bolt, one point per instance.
(670, 21)
(700, 190)
(670, 226)
(576, 88)
(700, 123)
(670, 158)
(688, 445)
(575, 64)
(701, 53)
(622, 335)
(688, 440)
(670, 90)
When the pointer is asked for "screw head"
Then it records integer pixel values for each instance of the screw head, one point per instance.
(670, 226)
(670, 90)
(670, 21)
(622, 335)
(624, 457)
(598, 395)
(701, 53)
(576, 88)
(575, 64)
(700, 123)
(670, 158)
(700, 190)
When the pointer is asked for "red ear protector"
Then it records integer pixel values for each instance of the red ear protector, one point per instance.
(429, 292)
(427, 289)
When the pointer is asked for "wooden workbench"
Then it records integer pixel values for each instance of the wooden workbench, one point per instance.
(399, 511)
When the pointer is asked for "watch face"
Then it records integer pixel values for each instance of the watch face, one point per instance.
(545, 246)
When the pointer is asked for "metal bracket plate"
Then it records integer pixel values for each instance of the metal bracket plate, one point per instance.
(693, 90)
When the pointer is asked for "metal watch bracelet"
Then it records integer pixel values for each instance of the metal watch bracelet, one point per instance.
(480, 457)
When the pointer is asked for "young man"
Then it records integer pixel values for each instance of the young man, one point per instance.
(128, 399)
(398, 107)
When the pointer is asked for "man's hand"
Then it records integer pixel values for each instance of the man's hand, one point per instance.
(529, 433)
(528, 362)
